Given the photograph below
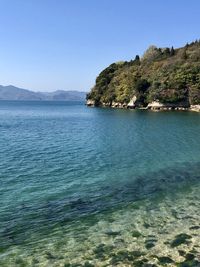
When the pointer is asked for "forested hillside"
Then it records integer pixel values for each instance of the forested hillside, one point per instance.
(165, 75)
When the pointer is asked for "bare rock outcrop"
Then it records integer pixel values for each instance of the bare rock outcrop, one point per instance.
(132, 102)
(90, 103)
(195, 108)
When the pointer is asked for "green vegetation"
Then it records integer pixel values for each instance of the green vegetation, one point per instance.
(165, 74)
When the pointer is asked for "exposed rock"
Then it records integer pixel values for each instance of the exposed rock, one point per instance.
(195, 108)
(155, 105)
(118, 105)
(90, 103)
(115, 104)
(106, 104)
(131, 104)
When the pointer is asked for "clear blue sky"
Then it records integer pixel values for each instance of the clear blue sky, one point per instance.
(64, 44)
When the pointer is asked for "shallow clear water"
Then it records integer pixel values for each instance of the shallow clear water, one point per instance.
(74, 179)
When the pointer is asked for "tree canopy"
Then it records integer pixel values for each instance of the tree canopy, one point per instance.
(164, 74)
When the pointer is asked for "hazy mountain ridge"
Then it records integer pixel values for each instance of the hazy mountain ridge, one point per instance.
(11, 92)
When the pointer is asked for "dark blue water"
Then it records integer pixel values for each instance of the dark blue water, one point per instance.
(62, 163)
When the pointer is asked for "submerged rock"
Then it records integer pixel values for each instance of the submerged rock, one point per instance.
(195, 227)
(88, 264)
(50, 256)
(126, 256)
(181, 252)
(143, 263)
(112, 233)
(136, 234)
(189, 263)
(149, 245)
(121, 256)
(20, 262)
(102, 251)
(165, 260)
(189, 256)
(180, 239)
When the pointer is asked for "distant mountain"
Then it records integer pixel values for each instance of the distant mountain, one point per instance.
(11, 92)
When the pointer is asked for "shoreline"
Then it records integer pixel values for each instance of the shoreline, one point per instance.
(156, 106)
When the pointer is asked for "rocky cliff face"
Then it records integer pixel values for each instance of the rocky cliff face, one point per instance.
(163, 79)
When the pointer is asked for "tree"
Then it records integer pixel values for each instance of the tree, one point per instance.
(172, 52)
(151, 53)
(137, 58)
(142, 85)
(184, 54)
(167, 51)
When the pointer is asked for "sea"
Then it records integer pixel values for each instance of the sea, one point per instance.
(83, 186)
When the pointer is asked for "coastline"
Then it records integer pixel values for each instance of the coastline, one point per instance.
(154, 106)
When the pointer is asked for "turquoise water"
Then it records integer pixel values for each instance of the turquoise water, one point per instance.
(75, 181)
